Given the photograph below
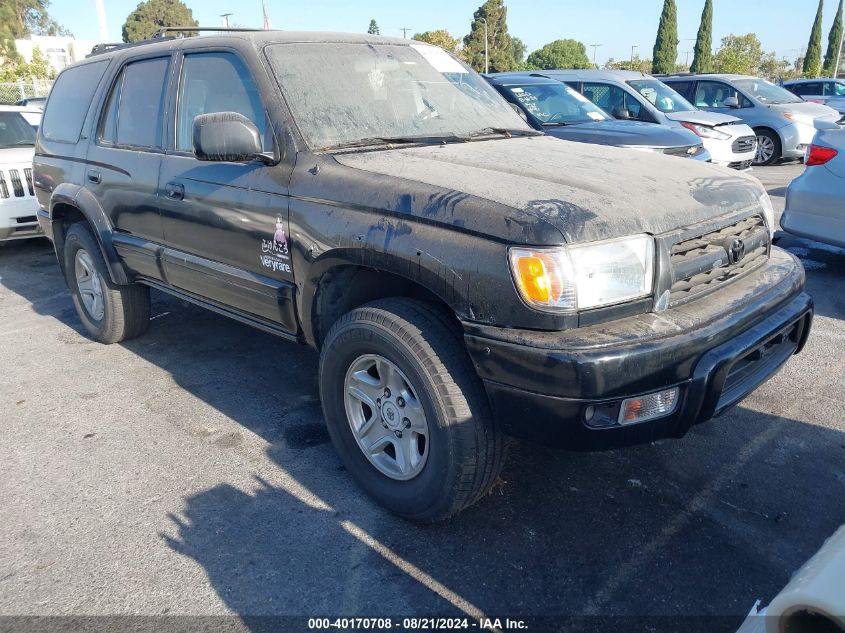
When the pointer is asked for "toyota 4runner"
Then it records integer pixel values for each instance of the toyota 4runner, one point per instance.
(463, 276)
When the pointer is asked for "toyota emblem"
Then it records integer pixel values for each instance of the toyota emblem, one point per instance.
(736, 250)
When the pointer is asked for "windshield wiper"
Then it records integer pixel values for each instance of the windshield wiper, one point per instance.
(372, 141)
(507, 132)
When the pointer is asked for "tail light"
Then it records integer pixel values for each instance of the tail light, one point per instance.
(819, 155)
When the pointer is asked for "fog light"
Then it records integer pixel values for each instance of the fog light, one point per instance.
(650, 407)
(589, 413)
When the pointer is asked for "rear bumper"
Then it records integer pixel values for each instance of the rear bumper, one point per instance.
(540, 385)
(814, 204)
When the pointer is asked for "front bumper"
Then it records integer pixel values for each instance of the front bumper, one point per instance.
(716, 350)
(18, 219)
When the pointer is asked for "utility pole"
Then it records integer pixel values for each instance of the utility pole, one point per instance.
(632, 56)
(595, 48)
(225, 17)
(838, 57)
(687, 54)
(486, 46)
(101, 19)
(405, 30)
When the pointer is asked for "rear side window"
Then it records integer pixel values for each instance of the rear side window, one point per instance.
(69, 100)
(612, 99)
(808, 89)
(133, 115)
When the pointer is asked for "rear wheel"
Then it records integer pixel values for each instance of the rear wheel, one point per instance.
(768, 148)
(406, 411)
(111, 313)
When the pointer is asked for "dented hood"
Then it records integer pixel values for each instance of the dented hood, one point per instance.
(586, 192)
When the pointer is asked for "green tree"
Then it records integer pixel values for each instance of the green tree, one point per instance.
(772, 68)
(740, 54)
(560, 54)
(702, 61)
(813, 58)
(666, 44)
(519, 50)
(441, 38)
(373, 30)
(20, 18)
(152, 15)
(38, 68)
(500, 42)
(637, 64)
(834, 42)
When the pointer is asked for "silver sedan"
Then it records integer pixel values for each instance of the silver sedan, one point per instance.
(815, 201)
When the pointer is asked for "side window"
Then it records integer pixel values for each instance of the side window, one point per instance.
(713, 94)
(133, 115)
(683, 88)
(70, 98)
(217, 82)
(834, 89)
(612, 99)
(808, 90)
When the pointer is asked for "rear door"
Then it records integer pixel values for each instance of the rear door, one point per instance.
(225, 224)
(123, 161)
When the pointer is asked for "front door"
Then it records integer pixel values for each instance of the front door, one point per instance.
(226, 224)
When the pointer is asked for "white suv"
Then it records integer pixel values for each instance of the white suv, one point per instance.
(18, 205)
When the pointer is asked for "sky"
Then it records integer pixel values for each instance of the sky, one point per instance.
(783, 26)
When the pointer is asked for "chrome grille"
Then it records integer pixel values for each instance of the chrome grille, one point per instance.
(17, 185)
(4, 188)
(684, 152)
(744, 144)
(28, 174)
(704, 263)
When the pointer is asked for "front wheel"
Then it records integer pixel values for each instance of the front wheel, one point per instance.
(406, 411)
(768, 148)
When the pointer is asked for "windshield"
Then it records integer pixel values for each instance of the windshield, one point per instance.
(15, 131)
(556, 104)
(766, 92)
(342, 93)
(661, 96)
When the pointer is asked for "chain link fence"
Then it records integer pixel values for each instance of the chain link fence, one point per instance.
(15, 91)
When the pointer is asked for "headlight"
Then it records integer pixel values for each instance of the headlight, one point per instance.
(705, 132)
(573, 278)
(798, 118)
(768, 212)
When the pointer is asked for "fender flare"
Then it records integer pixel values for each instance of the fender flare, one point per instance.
(83, 201)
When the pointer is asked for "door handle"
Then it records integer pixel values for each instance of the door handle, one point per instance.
(94, 176)
(174, 191)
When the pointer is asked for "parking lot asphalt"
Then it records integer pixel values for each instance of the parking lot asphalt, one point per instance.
(189, 472)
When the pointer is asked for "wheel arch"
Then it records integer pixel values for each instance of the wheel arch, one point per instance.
(339, 285)
(70, 204)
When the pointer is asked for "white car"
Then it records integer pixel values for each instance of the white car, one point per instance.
(18, 204)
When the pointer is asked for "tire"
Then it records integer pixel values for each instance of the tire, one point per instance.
(123, 312)
(768, 148)
(463, 453)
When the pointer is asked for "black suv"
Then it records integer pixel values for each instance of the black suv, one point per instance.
(463, 276)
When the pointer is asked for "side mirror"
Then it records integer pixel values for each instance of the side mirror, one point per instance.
(621, 113)
(227, 137)
(520, 112)
(731, 102)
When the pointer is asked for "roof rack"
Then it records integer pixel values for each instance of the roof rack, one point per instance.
(164, 33)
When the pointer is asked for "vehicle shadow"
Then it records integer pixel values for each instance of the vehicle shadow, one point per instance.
(700, 526)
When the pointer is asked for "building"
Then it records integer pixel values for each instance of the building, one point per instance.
(60, 51)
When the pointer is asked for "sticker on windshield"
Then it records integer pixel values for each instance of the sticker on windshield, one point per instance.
(439, 59)
(275, 254)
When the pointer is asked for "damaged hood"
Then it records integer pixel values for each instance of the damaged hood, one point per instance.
(586, 192)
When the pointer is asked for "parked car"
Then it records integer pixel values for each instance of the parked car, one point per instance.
(560, 111)
(33, 102)
(18, 205)
(815, 201)
(782, 121)
(632, 95)
(830, 92)
(462, 275)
